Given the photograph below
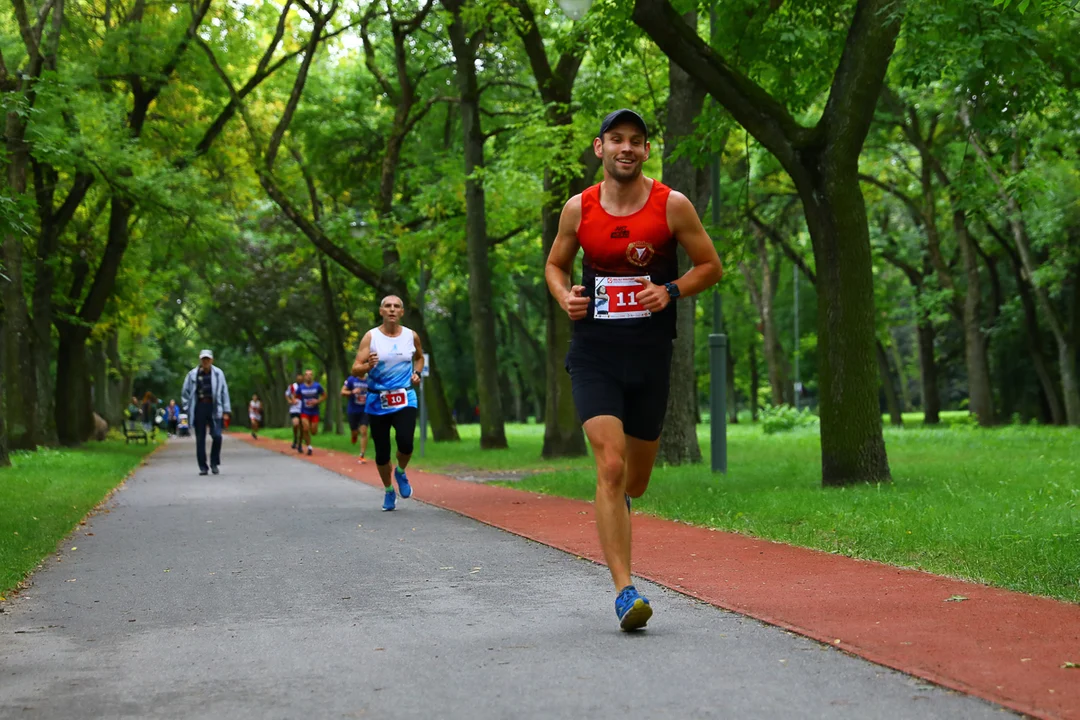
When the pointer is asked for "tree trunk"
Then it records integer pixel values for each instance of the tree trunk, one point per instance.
(891, 400)
(755, 382)
(337, 344)
(74, 411)
(852, 445)
(733, 405)
(481, 305)
(901, 376)
(99, 372)
(931, 397)
(1036, 349)
(976, 345)
(20, 375)
(119, 384)
(775, 359)
(5, 461)
(678, 440)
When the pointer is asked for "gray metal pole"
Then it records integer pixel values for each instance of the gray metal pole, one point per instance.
(798, 383)
(423, 403)
(423, 418)
(718, 388)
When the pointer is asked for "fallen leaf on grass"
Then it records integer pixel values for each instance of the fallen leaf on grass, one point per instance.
(956, 598)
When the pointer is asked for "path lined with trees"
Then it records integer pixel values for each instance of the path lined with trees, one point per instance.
(255, 177)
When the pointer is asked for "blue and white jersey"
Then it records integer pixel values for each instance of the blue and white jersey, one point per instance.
(390, 381)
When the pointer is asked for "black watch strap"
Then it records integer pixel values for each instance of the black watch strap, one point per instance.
(672, 289)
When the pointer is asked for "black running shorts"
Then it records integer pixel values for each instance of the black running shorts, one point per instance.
(356, 419)
(630, 382)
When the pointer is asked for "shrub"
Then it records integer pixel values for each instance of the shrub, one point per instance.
(781, 418)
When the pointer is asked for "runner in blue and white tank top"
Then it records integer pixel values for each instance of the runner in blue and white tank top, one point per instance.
(391, 359)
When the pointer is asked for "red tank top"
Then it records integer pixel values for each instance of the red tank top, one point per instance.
(619, 249)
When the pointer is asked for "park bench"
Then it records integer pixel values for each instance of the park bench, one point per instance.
(133, 431)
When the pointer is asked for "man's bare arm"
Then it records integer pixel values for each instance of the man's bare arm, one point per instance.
(690, 233)
(561, 260)
(362, 364)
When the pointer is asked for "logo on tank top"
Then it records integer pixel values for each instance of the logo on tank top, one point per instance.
(621, 232)
(640, 253)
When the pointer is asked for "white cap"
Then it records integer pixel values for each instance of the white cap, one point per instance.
(206, 353)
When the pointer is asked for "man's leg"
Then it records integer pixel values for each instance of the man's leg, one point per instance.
(605, 433)
(201, 417)
(380, 435)
(640, 458)
(215, 444)
(305, 430)
(405, 434)
(295, 430)
(363, 438)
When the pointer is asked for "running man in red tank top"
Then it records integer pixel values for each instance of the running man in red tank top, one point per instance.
(630, 228)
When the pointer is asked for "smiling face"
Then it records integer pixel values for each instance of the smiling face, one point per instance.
(623, 150)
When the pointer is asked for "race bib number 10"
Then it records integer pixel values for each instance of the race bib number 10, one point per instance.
(394, 398)
(616, 298)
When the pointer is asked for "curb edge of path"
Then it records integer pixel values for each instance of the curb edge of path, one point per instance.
(946, 643)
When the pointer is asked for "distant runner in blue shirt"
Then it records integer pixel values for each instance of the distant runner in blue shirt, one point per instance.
(357, 390)
(391, 359)
(311, 395)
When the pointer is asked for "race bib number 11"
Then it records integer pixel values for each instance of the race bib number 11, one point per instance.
(616, 298)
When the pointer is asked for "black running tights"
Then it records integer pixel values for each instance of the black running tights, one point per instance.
(403, 422)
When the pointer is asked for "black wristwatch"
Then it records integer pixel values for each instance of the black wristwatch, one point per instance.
(672, 290)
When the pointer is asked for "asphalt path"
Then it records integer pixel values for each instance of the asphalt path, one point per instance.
(279, 589)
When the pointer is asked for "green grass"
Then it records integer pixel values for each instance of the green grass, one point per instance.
(997, 506)
(44, 495)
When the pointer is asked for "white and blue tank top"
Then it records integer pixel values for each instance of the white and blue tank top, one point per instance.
(390, 381)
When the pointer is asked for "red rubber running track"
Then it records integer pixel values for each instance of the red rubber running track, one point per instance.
(1003, 646)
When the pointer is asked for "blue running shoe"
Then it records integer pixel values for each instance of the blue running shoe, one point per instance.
(632, 608)
(389, 501)
(402, 483)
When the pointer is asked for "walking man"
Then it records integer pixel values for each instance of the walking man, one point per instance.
(630, 228)
(205, 397)
(392, 360)
(356, 390)
(311, 395)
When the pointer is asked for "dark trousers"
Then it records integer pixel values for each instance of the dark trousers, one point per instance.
(205, 420)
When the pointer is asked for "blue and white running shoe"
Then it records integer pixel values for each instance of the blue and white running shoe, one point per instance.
(402, 483)
(632, 608)
(389, 501)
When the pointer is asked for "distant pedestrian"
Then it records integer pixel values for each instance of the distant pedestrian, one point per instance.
(149, 403)
(205, 398)
(172, 417)
(255, 415)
